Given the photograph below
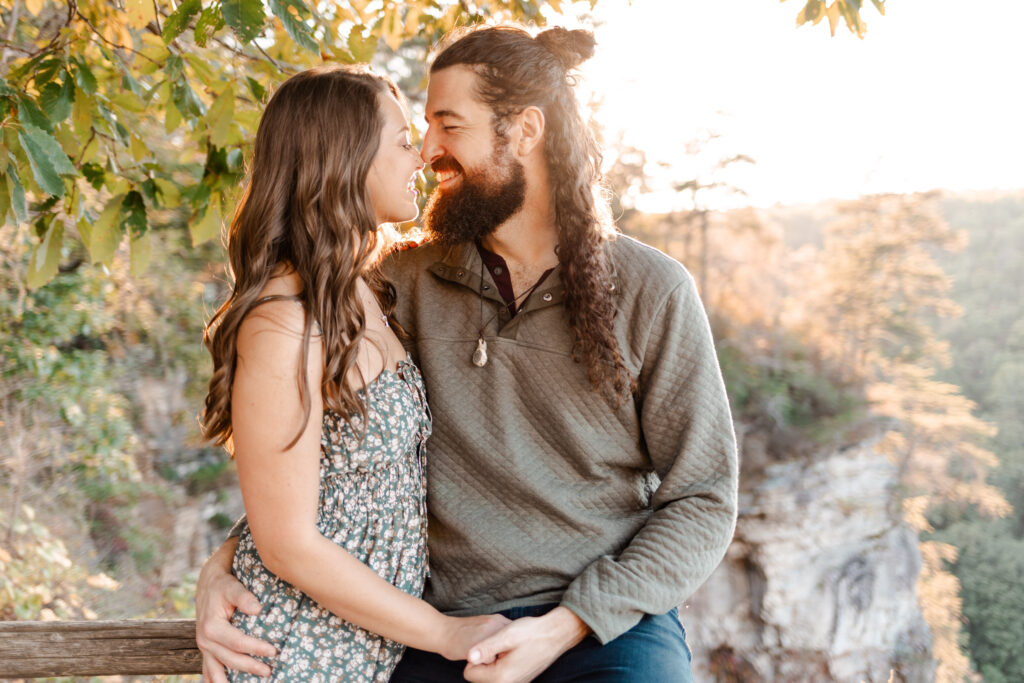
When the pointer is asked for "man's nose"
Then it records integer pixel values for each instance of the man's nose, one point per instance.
(431, 149)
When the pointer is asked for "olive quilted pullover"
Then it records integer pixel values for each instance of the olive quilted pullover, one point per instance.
(539, 489)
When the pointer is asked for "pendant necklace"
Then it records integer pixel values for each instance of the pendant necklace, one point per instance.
(480, 354)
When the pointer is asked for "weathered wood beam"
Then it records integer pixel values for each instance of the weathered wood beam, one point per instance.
(36, 649)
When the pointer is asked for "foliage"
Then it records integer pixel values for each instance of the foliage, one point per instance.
(990, 566)
(118, 122)
(988, 362)
(38, 579)
(847, 10)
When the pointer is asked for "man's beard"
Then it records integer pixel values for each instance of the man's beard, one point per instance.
(482, 200)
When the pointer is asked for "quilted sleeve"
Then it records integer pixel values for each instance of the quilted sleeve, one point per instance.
(687, 427)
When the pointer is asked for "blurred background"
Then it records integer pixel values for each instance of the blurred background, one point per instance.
(843, 179)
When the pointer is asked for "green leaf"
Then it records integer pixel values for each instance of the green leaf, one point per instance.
(206, 228)
(362, 48)
(133, 209)
(28, 67)
(46, 157)
(294, 23)
(152, 192)
(17, 190)
(133, 86)
(57, 99)
(185, 99)
(176, 24)
(106, 233)
(257, 90)
(245, 17)
(6, 90)
(46, 70)
(30, 113)
(210, 21)
(45, 258)
(84, 77)
(221, 114)
(93, 174)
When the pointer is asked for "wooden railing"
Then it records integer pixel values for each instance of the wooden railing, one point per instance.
(37, 649)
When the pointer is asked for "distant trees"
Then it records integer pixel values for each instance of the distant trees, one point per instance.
(988, 362)
(884, 291)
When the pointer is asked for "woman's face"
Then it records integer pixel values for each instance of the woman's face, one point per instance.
(392, 177)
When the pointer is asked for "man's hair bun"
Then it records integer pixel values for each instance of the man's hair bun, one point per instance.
(570, 48)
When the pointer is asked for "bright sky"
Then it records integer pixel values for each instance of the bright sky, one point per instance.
(931, 98)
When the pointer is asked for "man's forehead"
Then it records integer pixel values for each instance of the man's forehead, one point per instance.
(451, 93)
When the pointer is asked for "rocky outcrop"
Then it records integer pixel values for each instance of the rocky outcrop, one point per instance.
(819, 583)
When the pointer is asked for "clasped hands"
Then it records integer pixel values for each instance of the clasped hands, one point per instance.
(524, 648)
(512, 651)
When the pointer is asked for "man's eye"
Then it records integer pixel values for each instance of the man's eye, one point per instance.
(449, 128)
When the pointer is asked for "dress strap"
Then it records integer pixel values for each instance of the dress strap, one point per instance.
(278, 297)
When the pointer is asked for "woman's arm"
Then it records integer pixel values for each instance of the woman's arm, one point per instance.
(280, 488)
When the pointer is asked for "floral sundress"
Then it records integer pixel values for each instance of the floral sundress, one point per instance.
(373, 504)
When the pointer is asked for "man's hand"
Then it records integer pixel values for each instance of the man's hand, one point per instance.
(525, 648)
(218, 594)
(465, 632)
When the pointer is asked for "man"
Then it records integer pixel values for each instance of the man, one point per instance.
(582, 470)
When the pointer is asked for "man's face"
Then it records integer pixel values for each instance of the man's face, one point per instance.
(480, 182)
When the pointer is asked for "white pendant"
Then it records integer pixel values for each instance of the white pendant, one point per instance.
(480, 355)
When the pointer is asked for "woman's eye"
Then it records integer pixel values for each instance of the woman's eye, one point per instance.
(407, 147)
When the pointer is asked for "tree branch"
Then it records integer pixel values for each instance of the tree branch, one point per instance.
(111, 43)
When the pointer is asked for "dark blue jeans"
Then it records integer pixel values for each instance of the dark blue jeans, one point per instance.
(653, 650)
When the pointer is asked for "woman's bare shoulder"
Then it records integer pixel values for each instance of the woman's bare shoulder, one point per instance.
(278, 308)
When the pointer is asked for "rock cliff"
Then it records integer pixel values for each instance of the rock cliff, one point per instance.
(820, 581)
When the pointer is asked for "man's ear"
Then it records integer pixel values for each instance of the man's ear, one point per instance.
(531, 130)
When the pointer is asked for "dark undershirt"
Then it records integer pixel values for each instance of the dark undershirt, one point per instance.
(498, 269)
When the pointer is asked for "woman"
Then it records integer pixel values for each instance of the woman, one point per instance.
(315, 397)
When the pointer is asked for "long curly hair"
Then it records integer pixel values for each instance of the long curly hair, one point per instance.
(306, 207)
(515, 71)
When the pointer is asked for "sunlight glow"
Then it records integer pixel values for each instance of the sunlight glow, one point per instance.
(927, 100)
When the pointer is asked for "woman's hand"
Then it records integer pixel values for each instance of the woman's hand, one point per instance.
(218, 594)
(462, 633)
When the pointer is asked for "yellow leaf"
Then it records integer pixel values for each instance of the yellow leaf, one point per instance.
(393, 30)
(412, 21)
(4, 556)
(34, 6)
(106, 232)
(169, 195)
(42, 265)
(172, 117)
(139, 12)
(84, 231)
(140, 255)
(220, 115)
(139, 149)
(81, 113)
(207, 227)
(833, 16)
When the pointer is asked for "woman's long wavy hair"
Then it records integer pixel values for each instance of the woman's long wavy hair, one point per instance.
(516, 71)
(306, 208)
